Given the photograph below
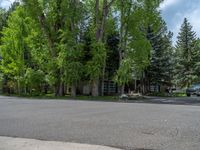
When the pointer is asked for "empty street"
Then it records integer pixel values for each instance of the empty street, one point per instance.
(130, 126)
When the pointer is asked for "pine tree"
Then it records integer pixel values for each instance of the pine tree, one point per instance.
(196, 57)
(160, 70)
(134, 46)
(185, 50)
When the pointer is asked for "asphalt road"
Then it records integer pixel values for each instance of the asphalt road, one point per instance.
(131, 126)
(193, 100)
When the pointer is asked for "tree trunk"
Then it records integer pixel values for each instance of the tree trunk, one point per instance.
(95, 83)
(100, 27)
(103, 78)
(45, 88)
(122, 89)
(25, 90)
(102, 87)
(142, 80)
(135, 88)
(95, 87)
(56, 90)
(19, 87)
(61, 89)
(105, 13)
(73, 90)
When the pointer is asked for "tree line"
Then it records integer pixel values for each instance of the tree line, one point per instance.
(54, 45)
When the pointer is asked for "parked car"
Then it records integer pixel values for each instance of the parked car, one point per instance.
(193, 90)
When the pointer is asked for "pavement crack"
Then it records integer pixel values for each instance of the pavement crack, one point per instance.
(175, 132)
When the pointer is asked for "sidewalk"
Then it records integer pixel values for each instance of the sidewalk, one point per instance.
(8, 143)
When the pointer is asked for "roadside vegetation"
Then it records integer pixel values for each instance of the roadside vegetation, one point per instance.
(58, 48)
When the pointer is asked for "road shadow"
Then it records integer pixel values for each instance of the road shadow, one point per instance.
(195, 101)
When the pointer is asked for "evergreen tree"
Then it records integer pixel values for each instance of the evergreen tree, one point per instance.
(185, 52)
(134, 47)
(160, 70)
(2, 18)
(196, 57)
(59, 43)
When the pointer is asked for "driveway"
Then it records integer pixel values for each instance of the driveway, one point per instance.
(131, 126)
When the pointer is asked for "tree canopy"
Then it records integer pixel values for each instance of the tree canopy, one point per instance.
(60, 46)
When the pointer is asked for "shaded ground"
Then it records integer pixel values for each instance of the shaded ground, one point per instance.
(124, 125)
(170, 100)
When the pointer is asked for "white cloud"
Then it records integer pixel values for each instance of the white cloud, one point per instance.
(166, 3)
(174, 11)
(6, 3)
(193, 17)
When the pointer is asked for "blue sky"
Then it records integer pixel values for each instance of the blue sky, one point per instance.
(6, 3)
(173, 12)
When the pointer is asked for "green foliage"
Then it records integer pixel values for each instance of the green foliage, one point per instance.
(196, 57)
(124, 73)
(95, 66)
(3, 18)
(34, 78)
(185, 56)
(56, 48)
(135, 19)
(4, 14)
(14, 51)
(161, 68)
(140, 53)
(49, 44)
(69, 59)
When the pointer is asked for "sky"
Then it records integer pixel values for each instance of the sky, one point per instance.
(6, 3)
(173, 12)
